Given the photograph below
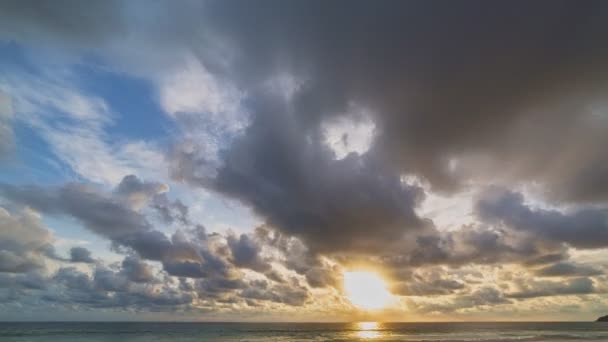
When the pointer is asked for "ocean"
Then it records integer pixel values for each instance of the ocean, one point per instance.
(369, 331)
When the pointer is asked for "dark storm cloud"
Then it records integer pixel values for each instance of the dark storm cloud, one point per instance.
(294, 182)
(586, 228)
(456, 91)
(446, 80)
(81, 254)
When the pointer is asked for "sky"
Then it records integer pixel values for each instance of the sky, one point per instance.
(238, 160)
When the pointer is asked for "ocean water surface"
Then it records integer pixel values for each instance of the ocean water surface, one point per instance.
(366, 331)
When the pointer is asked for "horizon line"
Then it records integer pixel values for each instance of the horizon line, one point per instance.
(289, 322)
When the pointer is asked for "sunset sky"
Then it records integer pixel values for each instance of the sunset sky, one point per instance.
(303, 160)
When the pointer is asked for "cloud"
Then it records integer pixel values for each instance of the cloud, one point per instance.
(101, 214)
(429, 283)
(568, 269)
(112, 217)
(67, 20)
(111, 289)
(192, 89)
(81, 254)
(585, 228)
(286, 294)
(439, 114)
(138, 192)
(246, 253)
(24, 241)
(495, 114)
(137, 270)
(295, 256)
(541, 288)
(296, 184)
(501, 118)
(482, 297)
(27, 281)
(7, 136)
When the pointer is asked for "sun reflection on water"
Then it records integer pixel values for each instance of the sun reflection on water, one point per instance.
(368, 330)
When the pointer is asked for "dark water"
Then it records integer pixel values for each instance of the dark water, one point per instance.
(445, 332)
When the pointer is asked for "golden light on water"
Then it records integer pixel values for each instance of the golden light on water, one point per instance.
(368, 330)
(366, 290)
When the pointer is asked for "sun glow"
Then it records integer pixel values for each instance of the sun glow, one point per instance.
(367, 330)
(366, 290)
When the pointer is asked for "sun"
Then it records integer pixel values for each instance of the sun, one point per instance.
(366, 290)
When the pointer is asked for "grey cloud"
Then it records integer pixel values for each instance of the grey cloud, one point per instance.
(478, 244)
(586, 228)
(24, 241)
(547, 259)
(294, 182)
(107, 280)
(81, 254)
(111, 289)
(532, 288)
(246, 253)
(291, 294)
(73, 279)
(188, 269)
(138, 192)
(437, 98)
(275, 276)
(502, 116)
(215, 287)
(568, 269)
(439, 81)
(137, 271)
(101, 214)
(65, 20)
(298, 258)
(171, 211)
(30, 281)
(186, 253)
(323, 276)
(485, 296)
(427, 283)
(7, 135)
